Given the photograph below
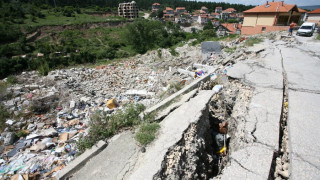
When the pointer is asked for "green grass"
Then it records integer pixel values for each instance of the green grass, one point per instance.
(3, 117)
(230, 50)
(104, 126)
(252, 41)
(318, 37)
(147, 133)
(52, 18)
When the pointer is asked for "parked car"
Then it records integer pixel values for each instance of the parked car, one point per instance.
(306, 29)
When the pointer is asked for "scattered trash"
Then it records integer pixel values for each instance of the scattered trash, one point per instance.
(217, 88)
(112, 103)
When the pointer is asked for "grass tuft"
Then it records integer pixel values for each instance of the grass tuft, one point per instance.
(147, 133)
(252, 41)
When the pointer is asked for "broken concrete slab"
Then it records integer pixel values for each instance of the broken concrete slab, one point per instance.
(303, 102)
(265, 72)
(142, 93)
(186, 72)
(304, 140)
(262, 121)
(172, 107)
(170, 133)
(252, 162)
(77, 163)
(188, 88)
(114, 161)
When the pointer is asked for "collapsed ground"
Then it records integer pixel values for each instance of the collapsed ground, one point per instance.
(55, 110)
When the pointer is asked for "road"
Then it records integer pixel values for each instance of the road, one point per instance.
(302, 65)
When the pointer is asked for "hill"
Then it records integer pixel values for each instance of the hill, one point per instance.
(310, 7)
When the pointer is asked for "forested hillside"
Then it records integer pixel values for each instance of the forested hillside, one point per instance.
(20, 18)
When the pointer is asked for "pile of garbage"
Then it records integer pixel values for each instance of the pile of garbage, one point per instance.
(51, 113)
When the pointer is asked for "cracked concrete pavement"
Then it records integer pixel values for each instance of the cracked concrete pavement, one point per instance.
(301, 63)
(303, 73)
(262, 122)
(113, 162)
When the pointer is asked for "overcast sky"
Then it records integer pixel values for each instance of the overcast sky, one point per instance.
(260, 2)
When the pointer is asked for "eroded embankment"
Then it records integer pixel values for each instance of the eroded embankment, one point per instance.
(205, 147)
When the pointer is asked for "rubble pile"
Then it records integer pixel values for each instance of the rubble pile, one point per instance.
(52, 112)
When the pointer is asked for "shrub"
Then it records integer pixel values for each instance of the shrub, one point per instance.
(44, 69)
(3, 116)
(12, 80)
(147, 133)
(103, 126)
(252, 41)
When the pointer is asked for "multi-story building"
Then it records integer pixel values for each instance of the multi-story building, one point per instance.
(218, 10)
(128, 10)
(314, 16)
(271, 16)
(168, 14)
(155, 7)
(180, 10)
(205, 9)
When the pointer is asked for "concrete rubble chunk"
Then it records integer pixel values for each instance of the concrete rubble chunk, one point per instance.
(10, 138)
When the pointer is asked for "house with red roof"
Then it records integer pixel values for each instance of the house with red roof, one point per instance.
(205, 9)
(232, 28)
(180, 10)
(314, 16)
(271, 16)
(155, 7)
(168, 14)
(218, 10)
(203, 18)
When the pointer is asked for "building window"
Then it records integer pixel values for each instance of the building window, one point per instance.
(263, 29)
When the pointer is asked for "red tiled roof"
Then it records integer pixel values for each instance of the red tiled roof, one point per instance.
(231, 26)
(218, 7)
(316, 11)
(271, 7)
(214, 14)
(229, 10)
(155, 4)
(202, 12)
(203, 7)
(302, 10)
(180, 8)
(169, 9)
(203, 16)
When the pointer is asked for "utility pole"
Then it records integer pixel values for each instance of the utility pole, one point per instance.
(54, 2)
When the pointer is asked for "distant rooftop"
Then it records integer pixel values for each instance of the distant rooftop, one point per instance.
(278, 6)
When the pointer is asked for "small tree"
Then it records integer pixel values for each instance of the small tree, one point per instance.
(209, 25)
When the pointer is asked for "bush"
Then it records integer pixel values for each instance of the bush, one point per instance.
(252, 41)
(3, 117)
(12, 80)
(209, 25)
(44, 69)
(104, 126)
(232, 21)
(147, 133)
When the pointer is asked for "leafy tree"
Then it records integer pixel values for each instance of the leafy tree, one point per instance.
(209, 25)
(232, 21)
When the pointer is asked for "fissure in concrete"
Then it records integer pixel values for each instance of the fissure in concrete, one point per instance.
(280, 165)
